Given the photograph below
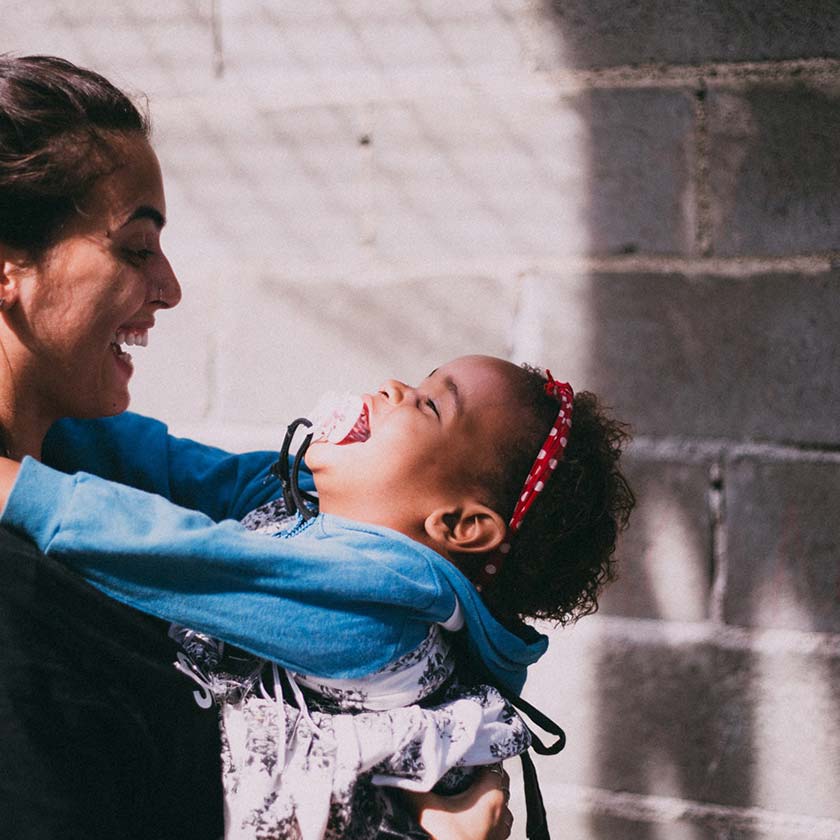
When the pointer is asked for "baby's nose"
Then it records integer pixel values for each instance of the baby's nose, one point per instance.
(394, 390)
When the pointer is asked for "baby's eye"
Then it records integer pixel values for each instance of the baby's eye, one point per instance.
(433, 406)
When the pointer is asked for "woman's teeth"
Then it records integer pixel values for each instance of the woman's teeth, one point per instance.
(139, 338)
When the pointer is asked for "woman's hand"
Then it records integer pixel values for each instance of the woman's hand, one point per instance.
(479, 813)
(8, 474)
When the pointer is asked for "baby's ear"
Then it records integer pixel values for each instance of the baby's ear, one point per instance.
(471, 529)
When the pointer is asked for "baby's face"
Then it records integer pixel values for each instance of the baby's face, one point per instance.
(424, 443)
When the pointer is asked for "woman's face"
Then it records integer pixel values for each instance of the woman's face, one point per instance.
(99, 286)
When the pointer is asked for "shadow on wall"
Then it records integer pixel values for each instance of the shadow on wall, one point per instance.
(692, 704)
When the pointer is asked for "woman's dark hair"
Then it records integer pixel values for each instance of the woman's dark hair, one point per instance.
(563, 554)
(55, 122)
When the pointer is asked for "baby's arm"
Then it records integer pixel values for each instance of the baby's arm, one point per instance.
(139, 452)
(315, 605)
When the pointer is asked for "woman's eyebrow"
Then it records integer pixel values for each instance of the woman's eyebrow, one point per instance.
(146, 212)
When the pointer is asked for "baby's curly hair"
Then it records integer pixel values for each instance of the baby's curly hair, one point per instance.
(563, 554)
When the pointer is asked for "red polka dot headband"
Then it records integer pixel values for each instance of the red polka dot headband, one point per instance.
(550, 454)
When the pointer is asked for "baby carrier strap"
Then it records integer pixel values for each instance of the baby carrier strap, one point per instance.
(536, 824)
(540, 719)
(536, 821)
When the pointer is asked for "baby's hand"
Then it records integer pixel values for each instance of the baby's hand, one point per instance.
(479, 813)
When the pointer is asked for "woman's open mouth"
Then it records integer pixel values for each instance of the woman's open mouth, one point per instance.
(130, 337)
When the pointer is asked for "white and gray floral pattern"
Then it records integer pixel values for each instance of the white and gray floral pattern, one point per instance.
(305, 758)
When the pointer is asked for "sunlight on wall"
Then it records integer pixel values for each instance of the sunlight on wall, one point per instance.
(795, 769)
(672, 572)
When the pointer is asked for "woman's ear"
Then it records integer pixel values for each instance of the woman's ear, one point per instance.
(12, 264)
(472, 529)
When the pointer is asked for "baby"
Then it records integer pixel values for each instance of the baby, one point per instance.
(486, 495)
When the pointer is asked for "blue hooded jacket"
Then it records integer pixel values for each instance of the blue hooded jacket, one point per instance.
(332, 598)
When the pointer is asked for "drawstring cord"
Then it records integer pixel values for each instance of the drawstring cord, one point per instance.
(277, 676)
(294, 498)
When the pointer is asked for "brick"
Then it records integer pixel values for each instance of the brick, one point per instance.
(639, 187)
(664, 557)
(444, 178)
(282, 346)
(586, 35)
(751, 358)
(478, 178)
(774, 173)
(783, 541)
(622, 828)
(674, 712)
(580, 823)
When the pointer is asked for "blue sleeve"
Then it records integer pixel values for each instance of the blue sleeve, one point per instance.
(319, 606)
(139, 452)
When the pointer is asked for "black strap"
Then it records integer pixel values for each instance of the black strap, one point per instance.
(536, 825)
(536, 822)
(540, 719)
(294, 498)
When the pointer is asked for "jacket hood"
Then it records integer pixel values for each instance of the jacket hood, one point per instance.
(507, 655)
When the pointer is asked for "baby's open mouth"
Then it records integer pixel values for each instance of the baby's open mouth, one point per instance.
(361, 428)
(340, 419)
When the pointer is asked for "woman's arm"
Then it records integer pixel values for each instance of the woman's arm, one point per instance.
(139, 452)
(358, 599)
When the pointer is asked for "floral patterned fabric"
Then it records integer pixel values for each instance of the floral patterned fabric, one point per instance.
(309, 758)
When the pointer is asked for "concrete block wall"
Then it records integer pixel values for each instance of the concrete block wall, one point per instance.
(711, 691)
(641, 195)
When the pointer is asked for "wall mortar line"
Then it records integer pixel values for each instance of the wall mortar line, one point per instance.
(718, 559)
(711, 74)
(699, 449)
(508, 269)
(665, 809)
(702, 194)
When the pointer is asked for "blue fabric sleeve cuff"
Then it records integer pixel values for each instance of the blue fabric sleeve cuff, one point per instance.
(34, 506)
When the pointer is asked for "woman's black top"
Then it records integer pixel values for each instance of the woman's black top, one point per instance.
(100, 736)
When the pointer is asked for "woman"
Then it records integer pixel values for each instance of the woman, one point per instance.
(100, 734)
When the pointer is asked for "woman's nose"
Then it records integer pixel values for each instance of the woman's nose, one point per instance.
(167, 289)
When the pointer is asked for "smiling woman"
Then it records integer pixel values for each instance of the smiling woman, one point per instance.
(100, 736)
(87, 271)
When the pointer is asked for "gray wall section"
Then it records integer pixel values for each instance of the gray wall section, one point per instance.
(641, 195)
(750, 358)
(774, 172)
(617, 32)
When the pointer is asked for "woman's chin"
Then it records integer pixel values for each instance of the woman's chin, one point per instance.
(112, 401)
